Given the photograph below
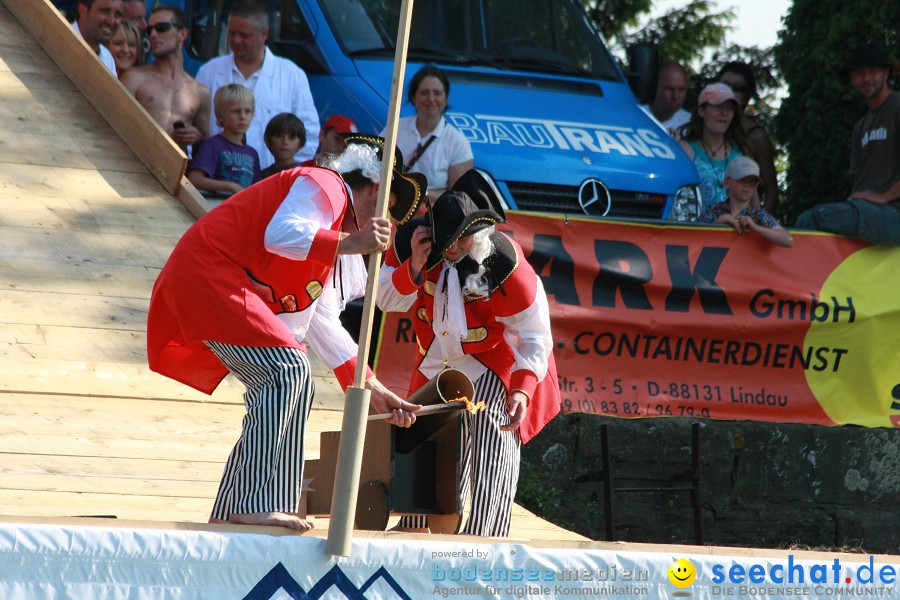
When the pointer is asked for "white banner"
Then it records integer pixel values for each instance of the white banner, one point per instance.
(96, 563)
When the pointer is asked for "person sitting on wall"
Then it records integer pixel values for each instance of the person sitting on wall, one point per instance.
(872, 212)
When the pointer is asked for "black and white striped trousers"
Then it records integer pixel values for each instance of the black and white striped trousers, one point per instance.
(489, 463)
(265, 469)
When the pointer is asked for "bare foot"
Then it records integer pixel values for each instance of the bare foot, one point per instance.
(410, 529)
(276, 519)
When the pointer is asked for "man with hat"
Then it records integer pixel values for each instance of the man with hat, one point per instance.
(872, 212)
(247, 286)
(479, 307)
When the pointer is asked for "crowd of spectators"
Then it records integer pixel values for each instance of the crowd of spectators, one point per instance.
(718, 130)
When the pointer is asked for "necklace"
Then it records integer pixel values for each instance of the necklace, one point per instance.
(720, 175)
(715, 152)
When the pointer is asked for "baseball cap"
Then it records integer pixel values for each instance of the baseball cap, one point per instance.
(716, 94)
(740, 167)
(341, 124)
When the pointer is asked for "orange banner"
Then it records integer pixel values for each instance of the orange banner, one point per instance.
(697, 321)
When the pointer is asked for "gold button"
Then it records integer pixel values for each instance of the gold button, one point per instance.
(445, 333)
(445, 362)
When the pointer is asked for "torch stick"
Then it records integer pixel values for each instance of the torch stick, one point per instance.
(433, 409)
(356, 403)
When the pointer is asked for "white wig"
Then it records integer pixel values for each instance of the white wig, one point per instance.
(357, 157)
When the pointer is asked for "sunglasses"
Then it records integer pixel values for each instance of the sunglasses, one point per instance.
(160, 27)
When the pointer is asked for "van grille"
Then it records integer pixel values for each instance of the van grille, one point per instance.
(563, 199)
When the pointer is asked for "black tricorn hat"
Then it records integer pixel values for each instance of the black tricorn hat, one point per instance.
(409, 187)
(468, 207)
(869, 54)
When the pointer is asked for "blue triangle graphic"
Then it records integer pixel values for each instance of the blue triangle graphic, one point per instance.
(279, 579)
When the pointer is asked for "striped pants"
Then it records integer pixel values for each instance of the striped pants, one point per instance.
(265, 469)
(489, 463)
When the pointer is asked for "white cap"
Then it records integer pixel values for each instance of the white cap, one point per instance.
(740, 167)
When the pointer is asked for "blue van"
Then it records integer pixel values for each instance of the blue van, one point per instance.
(551, 119)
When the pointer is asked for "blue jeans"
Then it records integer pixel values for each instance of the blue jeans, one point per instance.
(856, 218)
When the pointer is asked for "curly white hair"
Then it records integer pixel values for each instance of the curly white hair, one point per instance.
(357, 157)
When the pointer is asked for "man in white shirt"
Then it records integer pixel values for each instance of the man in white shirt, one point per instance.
(671, 91)
(278, 85)
(96, 23)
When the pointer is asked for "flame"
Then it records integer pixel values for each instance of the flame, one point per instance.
(472, 407)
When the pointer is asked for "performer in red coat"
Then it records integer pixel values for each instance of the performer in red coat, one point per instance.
(478, 307)
(247, 286)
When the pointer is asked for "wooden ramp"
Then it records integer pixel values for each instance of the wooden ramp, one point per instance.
(92, 200)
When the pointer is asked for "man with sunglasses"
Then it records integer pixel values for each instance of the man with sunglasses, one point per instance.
(177, 101)
(96, 23)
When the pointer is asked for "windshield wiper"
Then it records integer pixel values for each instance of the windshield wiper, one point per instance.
(552, 66)
(450, 56)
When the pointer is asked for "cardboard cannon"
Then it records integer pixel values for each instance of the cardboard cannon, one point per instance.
(412, 471)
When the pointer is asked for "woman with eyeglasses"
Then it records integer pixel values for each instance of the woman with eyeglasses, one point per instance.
(713, 138)
(739, 77)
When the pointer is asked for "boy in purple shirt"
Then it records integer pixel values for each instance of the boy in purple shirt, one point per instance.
(224, 163)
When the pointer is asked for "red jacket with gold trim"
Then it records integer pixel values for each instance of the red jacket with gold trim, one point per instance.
(221, 284)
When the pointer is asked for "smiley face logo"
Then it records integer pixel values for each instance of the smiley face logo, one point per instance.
(682, 573)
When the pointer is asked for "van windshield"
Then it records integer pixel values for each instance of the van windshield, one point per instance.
(551, 36)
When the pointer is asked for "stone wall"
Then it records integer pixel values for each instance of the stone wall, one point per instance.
(762, 484)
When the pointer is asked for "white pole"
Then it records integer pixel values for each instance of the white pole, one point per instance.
(356, 405)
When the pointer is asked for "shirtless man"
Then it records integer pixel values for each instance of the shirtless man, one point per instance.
(177, 101)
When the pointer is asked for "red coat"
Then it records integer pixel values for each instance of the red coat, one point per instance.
(220, 284)
(485, 342)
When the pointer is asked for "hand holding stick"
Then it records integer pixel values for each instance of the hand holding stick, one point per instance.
(454, 405)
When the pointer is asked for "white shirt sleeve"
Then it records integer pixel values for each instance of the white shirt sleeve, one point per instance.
(294, 225)
(388, 298)
(528, 335)
(326, 335)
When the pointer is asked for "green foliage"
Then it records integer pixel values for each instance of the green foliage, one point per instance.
(614, 17)
(683, 34)
(817, 117)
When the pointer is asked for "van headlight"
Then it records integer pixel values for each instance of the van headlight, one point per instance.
(687, 204)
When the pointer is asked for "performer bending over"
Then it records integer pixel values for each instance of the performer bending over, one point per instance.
(479, 308)
(246, 286)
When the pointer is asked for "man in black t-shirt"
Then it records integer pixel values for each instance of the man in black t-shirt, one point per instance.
(872, 212)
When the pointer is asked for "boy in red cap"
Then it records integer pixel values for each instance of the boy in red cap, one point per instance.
(331, 138)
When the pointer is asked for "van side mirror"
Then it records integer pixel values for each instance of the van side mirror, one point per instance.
(643, 70)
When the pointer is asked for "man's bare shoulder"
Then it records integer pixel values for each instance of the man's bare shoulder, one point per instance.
(134, 77)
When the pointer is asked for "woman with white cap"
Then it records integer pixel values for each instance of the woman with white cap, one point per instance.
(713, 137)
(478, 307)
